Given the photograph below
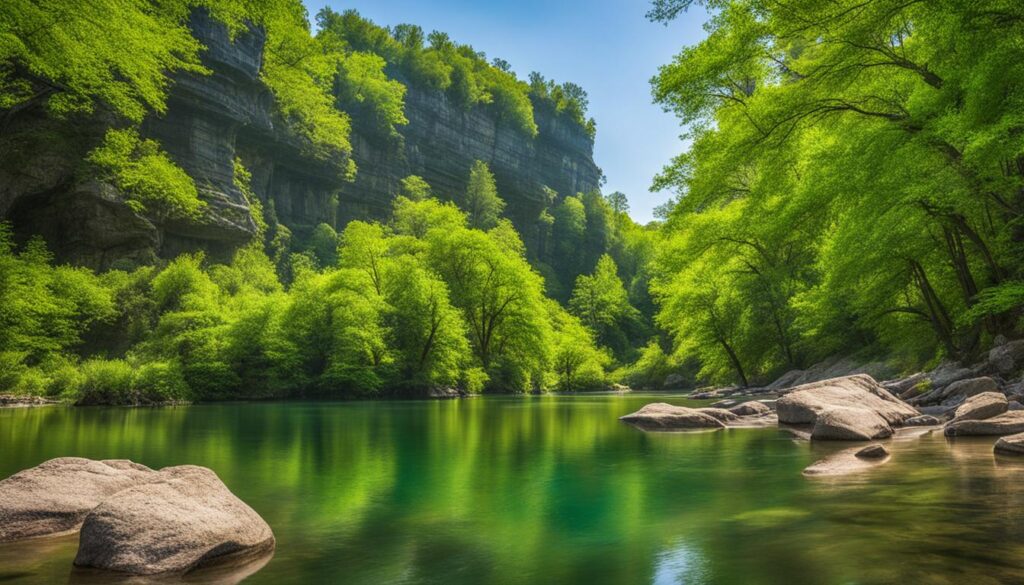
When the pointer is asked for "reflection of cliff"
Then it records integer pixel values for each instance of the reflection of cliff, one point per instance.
(212, 119)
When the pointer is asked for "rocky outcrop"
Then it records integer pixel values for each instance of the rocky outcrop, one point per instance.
(850, 408)
(55, 496)
(212, 119)
(1008, 423)
(182, 519)
(981, 406)
(1008, 357)
(660, 416)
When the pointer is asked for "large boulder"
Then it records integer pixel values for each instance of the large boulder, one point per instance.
(1012, 444)
(1008, 423)
(659, 416)
(981, 406)
(970, 387)
(55, 496)
(1007, 358)
(850, 424)
(181, 519)
(863, 409)
(751, 408)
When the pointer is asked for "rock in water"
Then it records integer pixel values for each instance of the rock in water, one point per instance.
(752, 408)
(850, 424)
(719, 413)
(1013, 444)
(1008, 423)
(982, 406)
(55, 496)
(858, 408)
(924, 420)
(872, 452)
(848, 461)
(183, 518)
(659, 416)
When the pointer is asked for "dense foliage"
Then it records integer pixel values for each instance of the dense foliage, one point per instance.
(855, 183)
(421, 303)
(115, 61)
(435, 61)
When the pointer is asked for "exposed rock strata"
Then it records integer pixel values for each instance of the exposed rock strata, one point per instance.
(214, 118)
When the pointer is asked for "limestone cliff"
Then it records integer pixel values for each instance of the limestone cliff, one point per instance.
(212, 119)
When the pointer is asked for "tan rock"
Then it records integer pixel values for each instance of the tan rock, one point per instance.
(981, 406)
(850, 408)
(850, 424)
(720, 414)
(660, 416)
(1012, 444)
(1008, 423)
(751, 408)
(183, 519)
(55, 496)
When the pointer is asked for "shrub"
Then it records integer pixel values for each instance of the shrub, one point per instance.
(160, 381)
(105, 382)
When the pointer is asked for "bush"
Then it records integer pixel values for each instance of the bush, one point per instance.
(105, 382)
(160, 382)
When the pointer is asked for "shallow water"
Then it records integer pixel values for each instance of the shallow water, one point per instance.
(547, 490)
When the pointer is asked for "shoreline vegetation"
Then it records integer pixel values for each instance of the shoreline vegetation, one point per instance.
(854, 187)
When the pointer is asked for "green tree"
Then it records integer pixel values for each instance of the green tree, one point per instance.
(481, 202)
(414, 188)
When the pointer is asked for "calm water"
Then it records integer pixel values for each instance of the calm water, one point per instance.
(548, 490)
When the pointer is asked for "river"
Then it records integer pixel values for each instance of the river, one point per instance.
(550, 489)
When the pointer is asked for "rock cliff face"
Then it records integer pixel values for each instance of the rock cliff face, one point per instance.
(214, 118)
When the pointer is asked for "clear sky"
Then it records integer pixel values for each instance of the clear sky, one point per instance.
(606, 46)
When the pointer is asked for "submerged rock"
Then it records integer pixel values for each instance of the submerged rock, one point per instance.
(183, 518)
(660, 416)
(55, 496)
(1008, 423)
(981, 406)
(752, 408)
(848, 461)
(851, 408)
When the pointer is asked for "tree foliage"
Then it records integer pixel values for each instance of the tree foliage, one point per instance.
(854, 182)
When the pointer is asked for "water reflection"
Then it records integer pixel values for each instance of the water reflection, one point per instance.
(551, 490)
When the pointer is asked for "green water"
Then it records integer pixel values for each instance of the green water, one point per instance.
(547, 490)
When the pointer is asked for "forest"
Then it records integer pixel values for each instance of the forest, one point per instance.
(854, 186)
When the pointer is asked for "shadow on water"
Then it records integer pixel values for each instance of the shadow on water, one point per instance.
(549, 489)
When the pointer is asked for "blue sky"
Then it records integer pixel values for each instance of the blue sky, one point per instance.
(606, 46)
